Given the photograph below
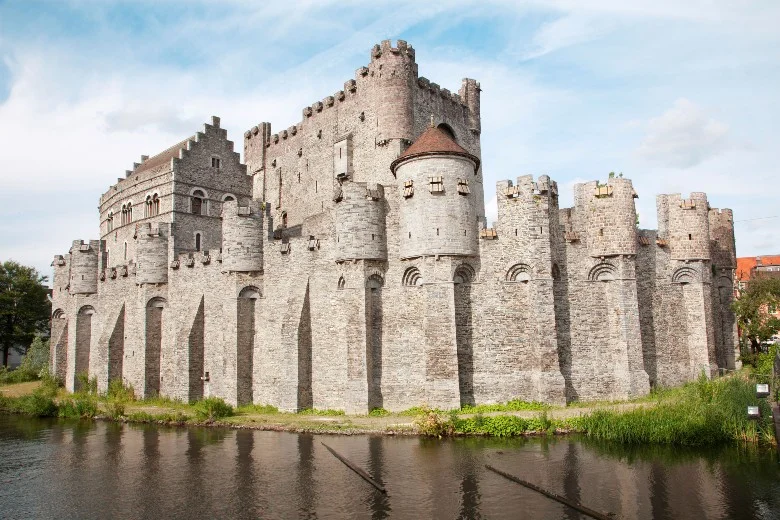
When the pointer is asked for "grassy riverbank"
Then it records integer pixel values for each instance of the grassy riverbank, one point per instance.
(704, 412)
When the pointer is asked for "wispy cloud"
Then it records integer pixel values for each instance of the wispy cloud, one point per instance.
(683, 136)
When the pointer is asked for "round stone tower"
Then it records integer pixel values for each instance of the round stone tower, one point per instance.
(360, 222)
(152, 254)
(685, 224)
(438, 212)
(242, 237)
(610, 216)
(84, 266)
(394, 72)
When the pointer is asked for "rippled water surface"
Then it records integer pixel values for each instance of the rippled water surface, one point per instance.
(51, 469)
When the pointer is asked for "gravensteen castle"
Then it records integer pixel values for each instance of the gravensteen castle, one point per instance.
(348, 264)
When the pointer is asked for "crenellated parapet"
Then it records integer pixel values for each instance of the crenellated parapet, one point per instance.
(152, 252)
(608, 216)
(684, 225)
(360, 222)
(242, 237)
(84, 266)
(524, 208)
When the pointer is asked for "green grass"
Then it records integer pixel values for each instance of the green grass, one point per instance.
(315, 411)
(257, 409)
(515, 405)
(704, 412)
(211, 409)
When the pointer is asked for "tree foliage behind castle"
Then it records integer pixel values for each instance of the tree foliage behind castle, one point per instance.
(24, 307)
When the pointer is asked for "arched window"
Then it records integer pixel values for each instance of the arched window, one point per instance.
(250, 293)
(123, 219)
(284, 220)
(155, 205)
(412, 277)
(110, 221)
(148, 206)
(197, 202)
(197, 242)
(464, 273)
(228, 197)
(129, 212)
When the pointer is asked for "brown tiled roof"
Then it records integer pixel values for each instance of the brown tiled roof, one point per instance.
(434, 141)
(163, 157)
(746, 264)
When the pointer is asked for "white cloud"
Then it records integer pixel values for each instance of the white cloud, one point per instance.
(683, 136)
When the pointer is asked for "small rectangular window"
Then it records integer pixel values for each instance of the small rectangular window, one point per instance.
(408, 189)
(463, 187)
(436, 184)
(216, 162)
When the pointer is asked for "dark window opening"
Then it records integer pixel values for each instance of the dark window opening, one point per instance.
(216, 162)
(197, 241)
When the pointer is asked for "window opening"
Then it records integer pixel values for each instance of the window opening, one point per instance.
(197, 241)
(216, 162)
(197, 202)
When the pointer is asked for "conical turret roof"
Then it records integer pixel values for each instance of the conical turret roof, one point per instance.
(434, 141)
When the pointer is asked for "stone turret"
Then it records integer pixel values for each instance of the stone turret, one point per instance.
(438, 212)
(152, 253)
(610, 216)
(684, 223)
(394, 72)
(360, 222)
(469, 92)
(84, 263)
(242, 237)
(723, 250)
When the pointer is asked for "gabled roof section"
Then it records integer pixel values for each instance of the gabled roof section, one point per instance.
(434, 141)
(163, 157)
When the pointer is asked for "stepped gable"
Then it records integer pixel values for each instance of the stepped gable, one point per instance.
(163, 157)
(434, 141)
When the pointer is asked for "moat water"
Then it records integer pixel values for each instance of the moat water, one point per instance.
(84, 470)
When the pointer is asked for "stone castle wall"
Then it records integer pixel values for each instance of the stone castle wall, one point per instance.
(327, 283)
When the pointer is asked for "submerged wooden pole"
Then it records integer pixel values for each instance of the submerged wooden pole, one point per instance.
(365, 476)
(563, 500)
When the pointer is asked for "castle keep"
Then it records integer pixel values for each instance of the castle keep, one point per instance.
(348, 265)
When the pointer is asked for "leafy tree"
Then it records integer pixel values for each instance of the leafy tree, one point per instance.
(752, 308)
(24, 307)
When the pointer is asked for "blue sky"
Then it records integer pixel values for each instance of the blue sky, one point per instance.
(679, 96)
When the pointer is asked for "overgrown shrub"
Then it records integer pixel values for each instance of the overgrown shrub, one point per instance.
(378, 412)
(17, 375)
(36, 360)
(258, 409)
(212, 408)
(32, 405)
(118, 391)
(432, 423)
(81, 406)
(86, 385)
(50, 385)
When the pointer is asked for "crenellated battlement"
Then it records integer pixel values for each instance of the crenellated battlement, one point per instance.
(608, 216)
(84, 266)
(684, 224)
(385, 49)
